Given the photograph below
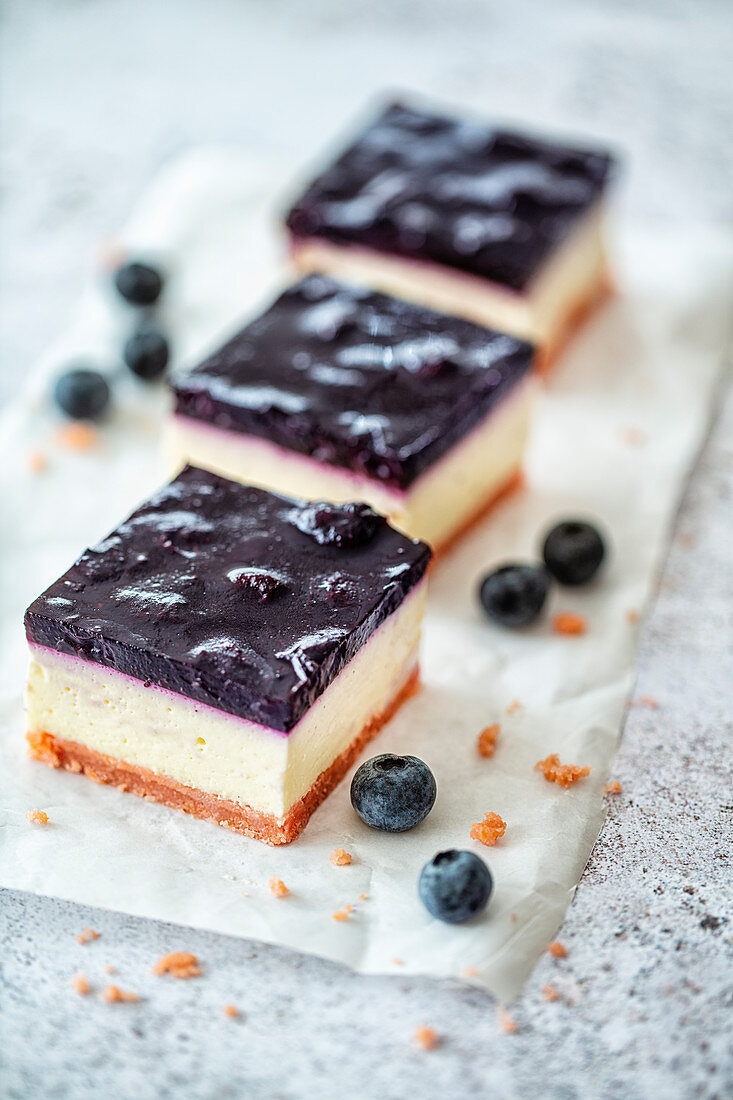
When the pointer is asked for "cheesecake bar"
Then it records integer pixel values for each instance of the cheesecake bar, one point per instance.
(339, 393)
(227, 652)
(502, 228)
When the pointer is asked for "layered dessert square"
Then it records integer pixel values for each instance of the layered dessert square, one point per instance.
(339, 393)
(502, 228)
(227, 652)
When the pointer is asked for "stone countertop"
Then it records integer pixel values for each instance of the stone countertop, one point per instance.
(95, 96)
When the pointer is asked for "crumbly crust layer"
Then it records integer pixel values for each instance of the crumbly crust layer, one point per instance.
(74, 757)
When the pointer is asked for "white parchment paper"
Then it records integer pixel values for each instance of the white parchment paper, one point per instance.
(616, 432)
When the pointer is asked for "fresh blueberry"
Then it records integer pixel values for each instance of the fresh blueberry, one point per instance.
(342, 525)
(514, 595)
(139, 283)
(573, 551)
(455, 885)
(146, 353)
(393, 793)
(82, 394)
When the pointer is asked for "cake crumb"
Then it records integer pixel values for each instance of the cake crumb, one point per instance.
(340, 857)
(80, 984)
(87, 935)
(363, 897)
(514, 707)
(231, 1010)
(513, 916)
(550, 993)
(426, 1037)
(632, 616)
(487, 739)
(110, 969)
(77, 436)
(179, 964)
(557, 950)
(569, 622)
(562, 774)
(37, 817)
(489, 830)
(614, 787)
(507, 1023)
(278, 887)
(37, 462)
(111, 254)
(341, 914)
(397, 962)
(634, 437)
(470, 972)
(646, 701)
(114, 995)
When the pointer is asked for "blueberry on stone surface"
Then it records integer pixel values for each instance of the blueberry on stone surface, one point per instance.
(573, 551)
(455, 885)
(82, 394)
(342, 525)
(139, 283)
(146, 354)
(515, 594)
(393, 793)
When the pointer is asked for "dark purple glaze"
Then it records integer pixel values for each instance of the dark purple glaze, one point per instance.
(355, 379)
(212, 590)
(492, 203)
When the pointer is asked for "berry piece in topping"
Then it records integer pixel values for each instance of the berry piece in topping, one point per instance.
(342, 525)
(82, 394)
(573, 552)
(393, 793)
(138, 283)
(514, 595)
(146, 354)
(260, 582)
(455, 885)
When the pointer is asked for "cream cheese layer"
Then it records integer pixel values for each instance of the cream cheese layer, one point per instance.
(211, 750)
(568, 278)
(436, 505)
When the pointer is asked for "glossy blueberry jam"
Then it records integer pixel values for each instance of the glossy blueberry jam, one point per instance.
(355, 379)
(489, 202)
(214, 590)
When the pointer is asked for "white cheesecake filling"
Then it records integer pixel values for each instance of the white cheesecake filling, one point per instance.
(437, 504)
(572, 274)
(208, 749)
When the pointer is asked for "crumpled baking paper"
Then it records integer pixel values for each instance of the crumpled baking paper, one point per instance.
(616, 431)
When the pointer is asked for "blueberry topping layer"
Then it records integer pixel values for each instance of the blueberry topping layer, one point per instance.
(214, 591)
(338, 525)
(489, 202)
(355, 379)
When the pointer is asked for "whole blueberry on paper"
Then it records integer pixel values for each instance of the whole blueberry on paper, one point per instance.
(393, 793)
(573, 551)
(455, 885)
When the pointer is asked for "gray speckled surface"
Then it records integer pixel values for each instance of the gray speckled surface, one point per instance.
(88, 111)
